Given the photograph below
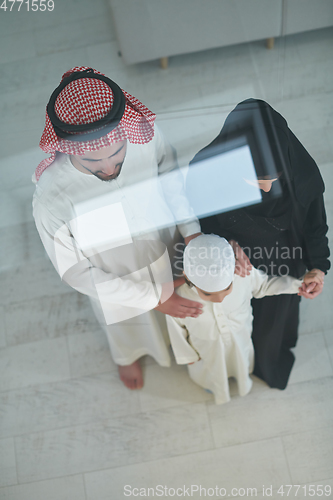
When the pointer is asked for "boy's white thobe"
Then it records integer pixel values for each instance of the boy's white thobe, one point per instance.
(221, 335)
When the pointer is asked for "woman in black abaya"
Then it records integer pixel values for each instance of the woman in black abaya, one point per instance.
(285, 235)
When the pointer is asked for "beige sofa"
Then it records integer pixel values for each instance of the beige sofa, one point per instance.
(157, 29)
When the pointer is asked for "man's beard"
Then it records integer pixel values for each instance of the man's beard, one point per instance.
(109, 178)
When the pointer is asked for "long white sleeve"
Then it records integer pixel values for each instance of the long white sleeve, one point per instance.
(79, 273)
(263, 285)
(172, 184)
(183, 352)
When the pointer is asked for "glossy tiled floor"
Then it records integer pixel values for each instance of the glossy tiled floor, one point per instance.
(69, 429)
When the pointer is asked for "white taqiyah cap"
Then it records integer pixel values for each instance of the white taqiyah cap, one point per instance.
(209, 263)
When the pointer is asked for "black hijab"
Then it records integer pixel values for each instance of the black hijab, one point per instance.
(300, 178)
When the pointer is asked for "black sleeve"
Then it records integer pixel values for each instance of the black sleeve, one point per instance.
(316, 250)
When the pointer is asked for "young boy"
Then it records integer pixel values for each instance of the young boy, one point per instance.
(217, 345)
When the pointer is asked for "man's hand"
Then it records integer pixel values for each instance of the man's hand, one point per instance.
(243, 265)
(179, 307)
(313, 284)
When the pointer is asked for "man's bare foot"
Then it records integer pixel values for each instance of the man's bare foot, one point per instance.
(131, 375)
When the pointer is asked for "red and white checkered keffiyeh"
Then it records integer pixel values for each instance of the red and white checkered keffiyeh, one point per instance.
(87, 100)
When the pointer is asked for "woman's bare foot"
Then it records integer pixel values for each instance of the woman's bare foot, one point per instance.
(131, 375)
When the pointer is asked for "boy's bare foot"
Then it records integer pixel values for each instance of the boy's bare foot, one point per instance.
(131, 375)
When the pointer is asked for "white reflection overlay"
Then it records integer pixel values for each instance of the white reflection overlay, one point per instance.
(217, 184)
(108, 227)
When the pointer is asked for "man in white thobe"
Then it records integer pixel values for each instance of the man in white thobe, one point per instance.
(106, 207)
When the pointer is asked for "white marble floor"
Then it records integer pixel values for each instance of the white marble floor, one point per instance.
(69, 429)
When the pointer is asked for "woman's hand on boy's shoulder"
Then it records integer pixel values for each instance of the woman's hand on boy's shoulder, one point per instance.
(187, 239)
(243, 265)
(313, 284)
